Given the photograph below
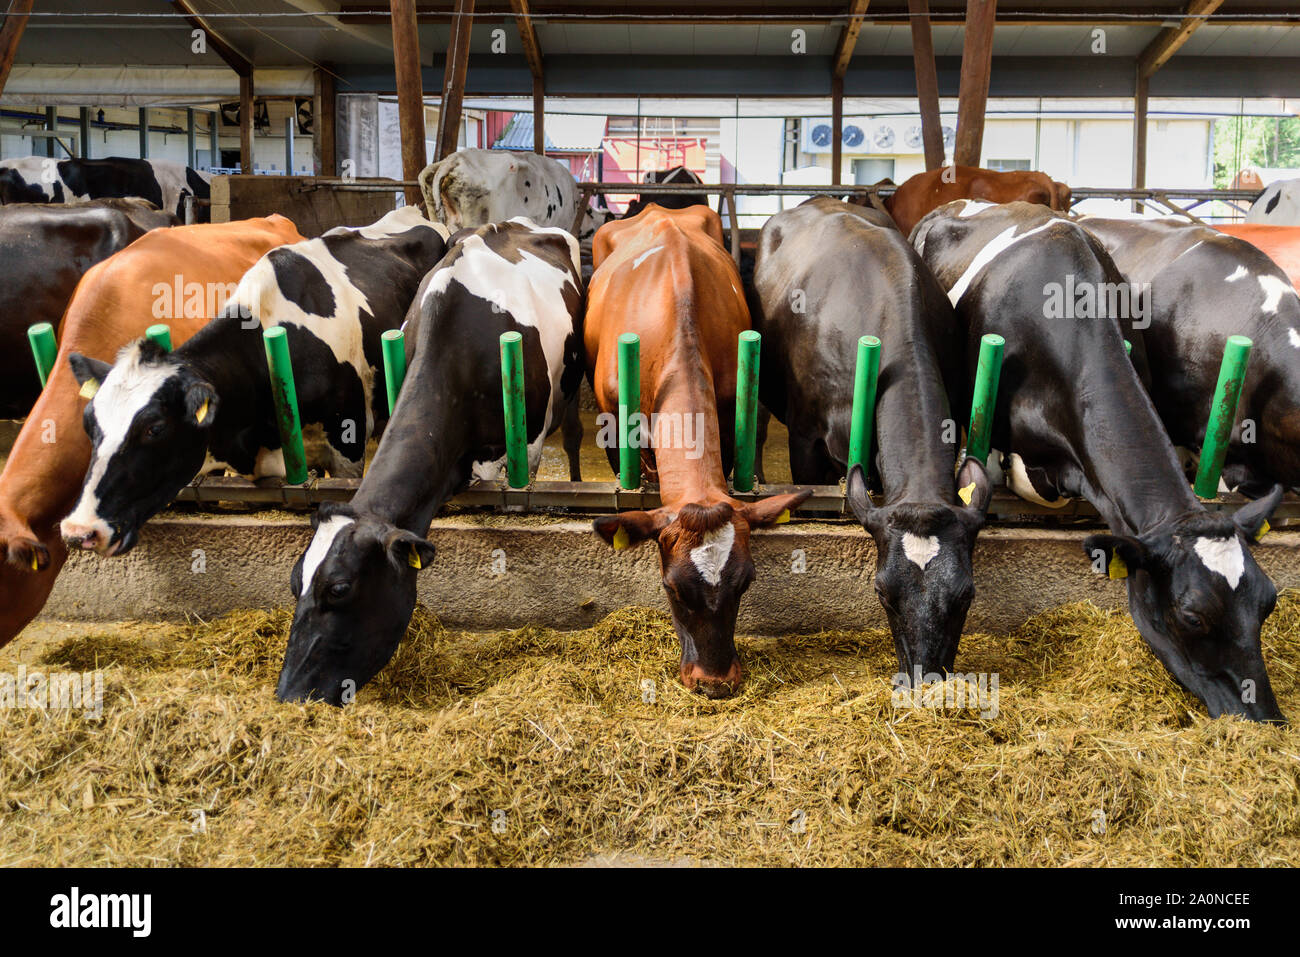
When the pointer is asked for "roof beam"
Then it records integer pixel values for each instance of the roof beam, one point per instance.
(1170, 39)
(10, 34)
(224, 49)
(528, 36)
(849, 38)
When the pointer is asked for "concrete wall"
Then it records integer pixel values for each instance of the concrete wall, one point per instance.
(504, 572)
(313, 211)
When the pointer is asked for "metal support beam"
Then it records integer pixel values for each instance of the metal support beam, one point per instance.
(1139, 134)
(324, 109)
(528, 36)
(410, 91)
(51, 126)
(12, 32)
(927, 82)
(849, 37)
(976, 68)
(246, 123)
(191, 139)
(289, 122)
(83, 128)
(453, 78)
(837, 129)
(1168, 41)
(144, 132)
(214, 139)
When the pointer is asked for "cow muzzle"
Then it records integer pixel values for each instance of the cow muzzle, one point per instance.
(711, 684)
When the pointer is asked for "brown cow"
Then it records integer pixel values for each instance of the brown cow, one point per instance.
(665, 275)
(1279, 243)
(169, 274)
(930, 190)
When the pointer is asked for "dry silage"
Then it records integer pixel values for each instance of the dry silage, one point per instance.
(542, 747)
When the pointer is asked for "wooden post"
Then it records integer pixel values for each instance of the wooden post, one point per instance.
(410, 92)
(539, 117)
(12, 31)
(453, 78)
(837, 128)
(976, 66)
(246, 123)
(324, 108)
(927, 82)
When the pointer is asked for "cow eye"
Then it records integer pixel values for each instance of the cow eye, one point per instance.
(153, 430)
(339, 590)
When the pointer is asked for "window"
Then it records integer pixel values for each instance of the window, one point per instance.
(1005, 165)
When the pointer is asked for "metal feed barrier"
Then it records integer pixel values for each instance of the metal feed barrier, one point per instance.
(303, 489)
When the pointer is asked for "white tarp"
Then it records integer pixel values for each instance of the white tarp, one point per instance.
(126, 86)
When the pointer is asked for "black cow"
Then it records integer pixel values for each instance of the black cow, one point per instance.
(1076, 421)
(1205, 286)
(157, 419)
(811, 318)
(45, 251)
(677, 175)
(37, 179)
(355, 584)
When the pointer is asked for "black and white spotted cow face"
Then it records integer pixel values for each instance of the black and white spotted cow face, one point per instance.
(355, 587)
(148, 420)
(924, 578)
(1199, 599)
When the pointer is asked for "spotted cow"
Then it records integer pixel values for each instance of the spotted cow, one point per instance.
(165, 183)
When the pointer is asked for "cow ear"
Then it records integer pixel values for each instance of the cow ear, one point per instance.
(408, 550)
(295, 576)
(859, 499)
(973, 486)
(631, 528)
(201, 404)
(774, 510)
(1253, 518)
(90, 373)
(1115, 555)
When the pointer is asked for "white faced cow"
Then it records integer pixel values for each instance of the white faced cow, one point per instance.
(1279, 205)
(1077, 422)
(157, 419)
(38, 179)
(355, 584)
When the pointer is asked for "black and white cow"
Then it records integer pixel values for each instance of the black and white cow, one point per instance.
(679, 175)
(1278, 205)
(38, 179)
(355, 584)
(811, 318)
(1205, 286)
(1077, 421)
(472, 188)
(157, 419)
(45, 251)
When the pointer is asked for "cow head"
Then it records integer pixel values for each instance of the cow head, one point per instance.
(355, 587)
(148, 420)
(706, 565)
(1198, 599)
(923, 567)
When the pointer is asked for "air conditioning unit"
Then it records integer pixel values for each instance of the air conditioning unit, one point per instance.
(815, 136)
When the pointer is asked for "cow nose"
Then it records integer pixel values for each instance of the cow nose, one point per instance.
(711, 684)
(88, 537)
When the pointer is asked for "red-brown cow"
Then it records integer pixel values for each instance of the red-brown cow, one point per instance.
(172, 274)
(665, 275)
(1279, 243)
(930, 190)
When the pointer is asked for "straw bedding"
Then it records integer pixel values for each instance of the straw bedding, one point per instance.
(539, 747)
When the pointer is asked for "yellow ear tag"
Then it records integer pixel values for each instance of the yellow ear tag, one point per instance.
(967, 493)
(783, 517)
(89, 388)
(202, 413)
(1263, 530)
(413, 558)
(36, 563)
(1117, 567)
(621, 539)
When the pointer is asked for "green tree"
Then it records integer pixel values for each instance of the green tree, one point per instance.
(1269, 141)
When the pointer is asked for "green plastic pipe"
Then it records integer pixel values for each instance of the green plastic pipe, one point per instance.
(393, 344)
(1223, 413)
(865, 379)
(44, 349)
(512, 399)
(984, 401)
(748, 348)
(286, 404)
(160, 334)
(1128, 348)
(629, 404)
